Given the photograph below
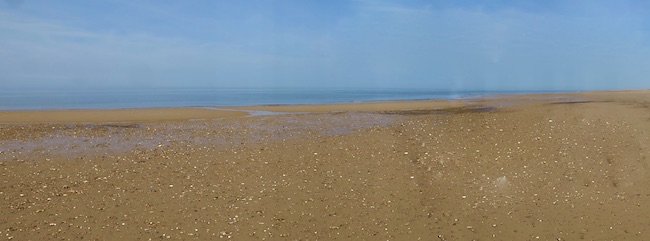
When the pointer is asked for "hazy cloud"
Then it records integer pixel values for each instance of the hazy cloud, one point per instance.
(564, 45)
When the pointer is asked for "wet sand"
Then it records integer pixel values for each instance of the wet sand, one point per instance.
(370, 106)
(537, 167)
(122, 115)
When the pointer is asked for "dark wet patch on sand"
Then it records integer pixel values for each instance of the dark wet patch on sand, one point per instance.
(454, 110)
(571, 102)
(119, 138)
(120, 125)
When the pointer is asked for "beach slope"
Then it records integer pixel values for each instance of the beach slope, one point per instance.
(542, 167)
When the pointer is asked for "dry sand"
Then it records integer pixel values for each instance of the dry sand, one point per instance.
(544, 167)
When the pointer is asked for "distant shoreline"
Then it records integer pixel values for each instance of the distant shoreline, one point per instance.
(214, 112)
(114, 99)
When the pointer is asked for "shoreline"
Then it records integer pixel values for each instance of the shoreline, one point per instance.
(121, 115)
(512, 168)
(215, 112)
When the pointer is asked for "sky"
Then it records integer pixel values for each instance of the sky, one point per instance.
(446, 44)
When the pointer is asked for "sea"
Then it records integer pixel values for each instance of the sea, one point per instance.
(32, 99)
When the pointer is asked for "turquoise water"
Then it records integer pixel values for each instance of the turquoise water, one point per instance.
(210, 97)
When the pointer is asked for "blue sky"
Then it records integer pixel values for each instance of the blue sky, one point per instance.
(479, 45)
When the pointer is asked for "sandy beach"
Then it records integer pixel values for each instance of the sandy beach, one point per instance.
(528, 167)
(122, 115)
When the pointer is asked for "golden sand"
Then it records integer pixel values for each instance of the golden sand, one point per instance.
(122, 115)
(537, 167)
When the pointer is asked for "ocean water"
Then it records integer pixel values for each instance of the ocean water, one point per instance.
(212, 97)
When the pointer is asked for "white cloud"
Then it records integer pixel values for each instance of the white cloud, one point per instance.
(381, 43)
(37, 52)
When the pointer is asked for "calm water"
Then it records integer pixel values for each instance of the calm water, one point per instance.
(154, 98)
